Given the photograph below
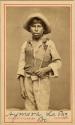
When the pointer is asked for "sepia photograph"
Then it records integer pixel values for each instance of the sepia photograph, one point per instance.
(38, 58)
(37, 63)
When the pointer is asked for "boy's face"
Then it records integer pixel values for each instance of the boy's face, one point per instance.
(37, 30)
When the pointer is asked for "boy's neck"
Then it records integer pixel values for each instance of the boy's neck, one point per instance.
(36, 39)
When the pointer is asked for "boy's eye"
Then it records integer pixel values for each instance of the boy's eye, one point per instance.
(33, 26)
(39, 26)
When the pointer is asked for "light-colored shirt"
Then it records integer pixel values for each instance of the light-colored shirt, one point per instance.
(43, 55)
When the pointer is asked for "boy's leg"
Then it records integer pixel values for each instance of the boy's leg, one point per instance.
(30, 100)
(42, 93)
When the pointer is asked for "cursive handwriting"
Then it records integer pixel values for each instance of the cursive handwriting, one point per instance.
(39, 116)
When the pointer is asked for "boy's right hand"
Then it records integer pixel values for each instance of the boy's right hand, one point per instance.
(23, 93)
(22, 87)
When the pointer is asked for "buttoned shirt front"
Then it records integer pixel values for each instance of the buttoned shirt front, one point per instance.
(33, 58)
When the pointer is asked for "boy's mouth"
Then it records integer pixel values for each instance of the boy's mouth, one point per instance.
(36, 34)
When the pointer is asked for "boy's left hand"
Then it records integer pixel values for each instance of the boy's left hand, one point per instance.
(42, 71)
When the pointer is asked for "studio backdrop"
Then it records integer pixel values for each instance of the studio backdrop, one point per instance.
(59, 19)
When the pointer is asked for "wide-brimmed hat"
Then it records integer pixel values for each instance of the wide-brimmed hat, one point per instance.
(28, 21)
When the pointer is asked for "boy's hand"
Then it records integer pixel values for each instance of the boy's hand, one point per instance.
(23, 93)
(42, 71)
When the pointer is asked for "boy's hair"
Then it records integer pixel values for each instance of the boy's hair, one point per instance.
(35, 20)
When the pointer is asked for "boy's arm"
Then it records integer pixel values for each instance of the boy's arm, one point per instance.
(54, 65)
(21, 71)
(56, 60)
(21, 64)
(22, 86)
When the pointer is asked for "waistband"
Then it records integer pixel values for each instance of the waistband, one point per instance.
(33, 77)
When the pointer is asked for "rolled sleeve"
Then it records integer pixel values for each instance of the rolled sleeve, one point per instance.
(21, 65)
(56, 60)
(55, 67)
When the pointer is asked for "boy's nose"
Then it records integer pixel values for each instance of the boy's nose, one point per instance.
(36, 28)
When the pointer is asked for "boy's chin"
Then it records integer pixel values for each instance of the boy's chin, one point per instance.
(37, 36)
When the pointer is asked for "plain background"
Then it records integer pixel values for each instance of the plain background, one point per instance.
(59, 18)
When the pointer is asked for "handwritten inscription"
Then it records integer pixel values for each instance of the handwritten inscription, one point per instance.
(38, 116)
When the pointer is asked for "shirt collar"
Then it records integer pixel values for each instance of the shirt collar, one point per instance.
(42, 41)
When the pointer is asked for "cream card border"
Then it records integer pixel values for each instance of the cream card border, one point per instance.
(71, 119)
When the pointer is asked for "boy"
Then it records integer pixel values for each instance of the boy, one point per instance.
(39, 60)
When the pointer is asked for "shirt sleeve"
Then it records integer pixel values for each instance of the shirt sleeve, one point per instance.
(21, 64)
(56, 60)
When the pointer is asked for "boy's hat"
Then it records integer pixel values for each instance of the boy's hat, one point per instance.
(40, 17)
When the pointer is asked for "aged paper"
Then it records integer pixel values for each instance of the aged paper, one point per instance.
(62, 103)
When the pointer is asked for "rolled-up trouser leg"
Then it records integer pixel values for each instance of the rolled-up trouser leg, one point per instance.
(41, 90)
(30, 100)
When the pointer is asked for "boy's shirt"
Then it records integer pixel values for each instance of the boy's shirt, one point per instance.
(40, 56)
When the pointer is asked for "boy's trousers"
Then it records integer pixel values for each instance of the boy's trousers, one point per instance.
(38, 93)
